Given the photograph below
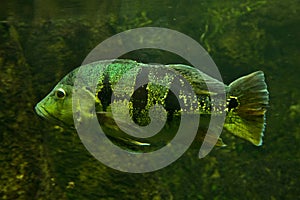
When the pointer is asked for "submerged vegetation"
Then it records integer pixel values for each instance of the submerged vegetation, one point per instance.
(44, 161)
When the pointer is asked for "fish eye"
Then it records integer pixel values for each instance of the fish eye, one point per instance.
(60, 93)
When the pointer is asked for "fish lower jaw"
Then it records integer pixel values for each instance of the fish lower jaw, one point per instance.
(41, 111)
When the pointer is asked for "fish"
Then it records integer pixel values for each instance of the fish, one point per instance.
(245, 104)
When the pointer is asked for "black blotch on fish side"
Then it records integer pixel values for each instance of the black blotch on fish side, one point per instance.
(232, 103)
(171, 104)
(139, 98)
(104, 95)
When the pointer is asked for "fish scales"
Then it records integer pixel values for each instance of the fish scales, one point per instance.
(156, 89)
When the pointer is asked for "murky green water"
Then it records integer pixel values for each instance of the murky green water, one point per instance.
(41, 41)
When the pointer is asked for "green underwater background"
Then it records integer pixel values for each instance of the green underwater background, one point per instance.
(41, 41)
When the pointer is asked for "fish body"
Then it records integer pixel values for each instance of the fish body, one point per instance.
(148, 85)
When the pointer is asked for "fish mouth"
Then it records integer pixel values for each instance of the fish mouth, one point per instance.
(42, 112)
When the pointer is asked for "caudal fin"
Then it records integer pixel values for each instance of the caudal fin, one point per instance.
(247, 102)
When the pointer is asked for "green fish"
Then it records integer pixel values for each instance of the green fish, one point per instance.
(245, 105)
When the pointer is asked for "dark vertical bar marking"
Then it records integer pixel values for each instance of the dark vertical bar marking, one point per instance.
(139, 98)
(104, 95)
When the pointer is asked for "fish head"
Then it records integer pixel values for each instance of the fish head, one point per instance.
(57, 105)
